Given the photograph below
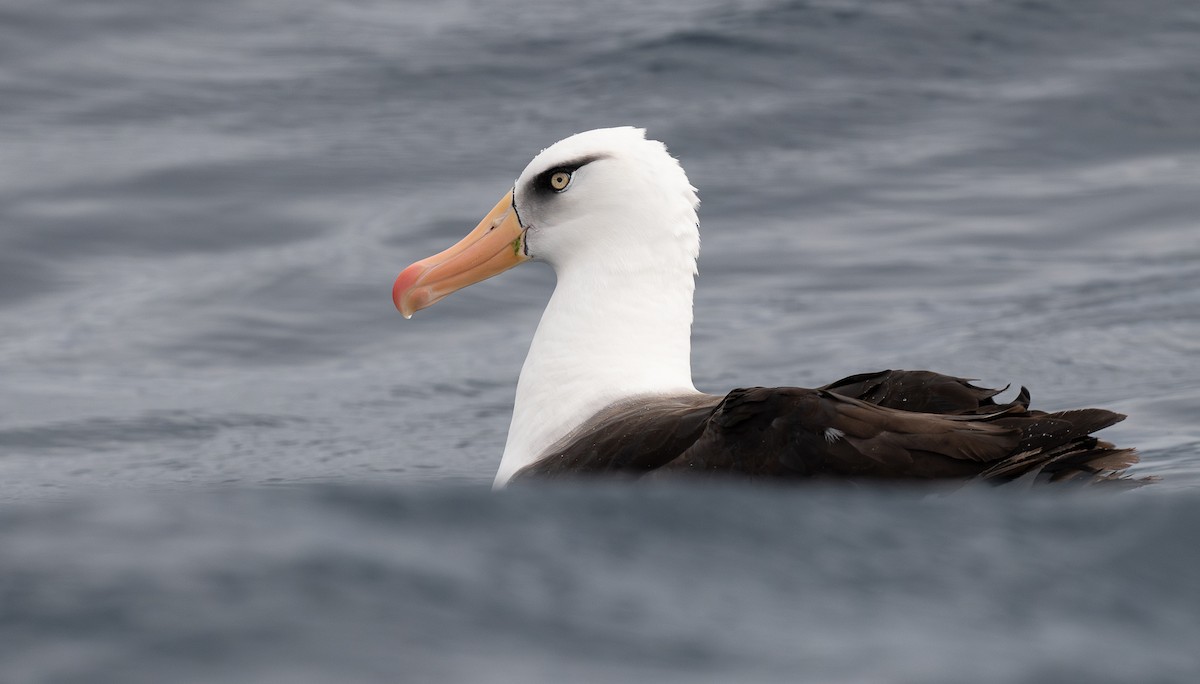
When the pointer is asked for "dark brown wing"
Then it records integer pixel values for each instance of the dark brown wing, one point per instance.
(630, 438)
(791, 432)
(1055, 444)
(885, 425)
(796, 432)
(923, 391)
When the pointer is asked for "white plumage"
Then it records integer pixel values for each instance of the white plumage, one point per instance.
(623, 242)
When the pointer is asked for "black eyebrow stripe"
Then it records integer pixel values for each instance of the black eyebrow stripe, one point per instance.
(572, 166)
(539, 182)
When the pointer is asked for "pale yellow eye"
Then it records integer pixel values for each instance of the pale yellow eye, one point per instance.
(559, 180)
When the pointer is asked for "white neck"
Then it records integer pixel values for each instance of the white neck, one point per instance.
(614, 328)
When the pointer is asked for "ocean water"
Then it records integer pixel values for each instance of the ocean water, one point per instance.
(225, 457)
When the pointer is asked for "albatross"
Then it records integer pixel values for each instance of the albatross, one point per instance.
(607, 385)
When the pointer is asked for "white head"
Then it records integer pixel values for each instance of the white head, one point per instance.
(606, 196)
(602, 195)
(615, 216)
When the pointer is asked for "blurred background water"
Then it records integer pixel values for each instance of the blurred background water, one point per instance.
(224, 456)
